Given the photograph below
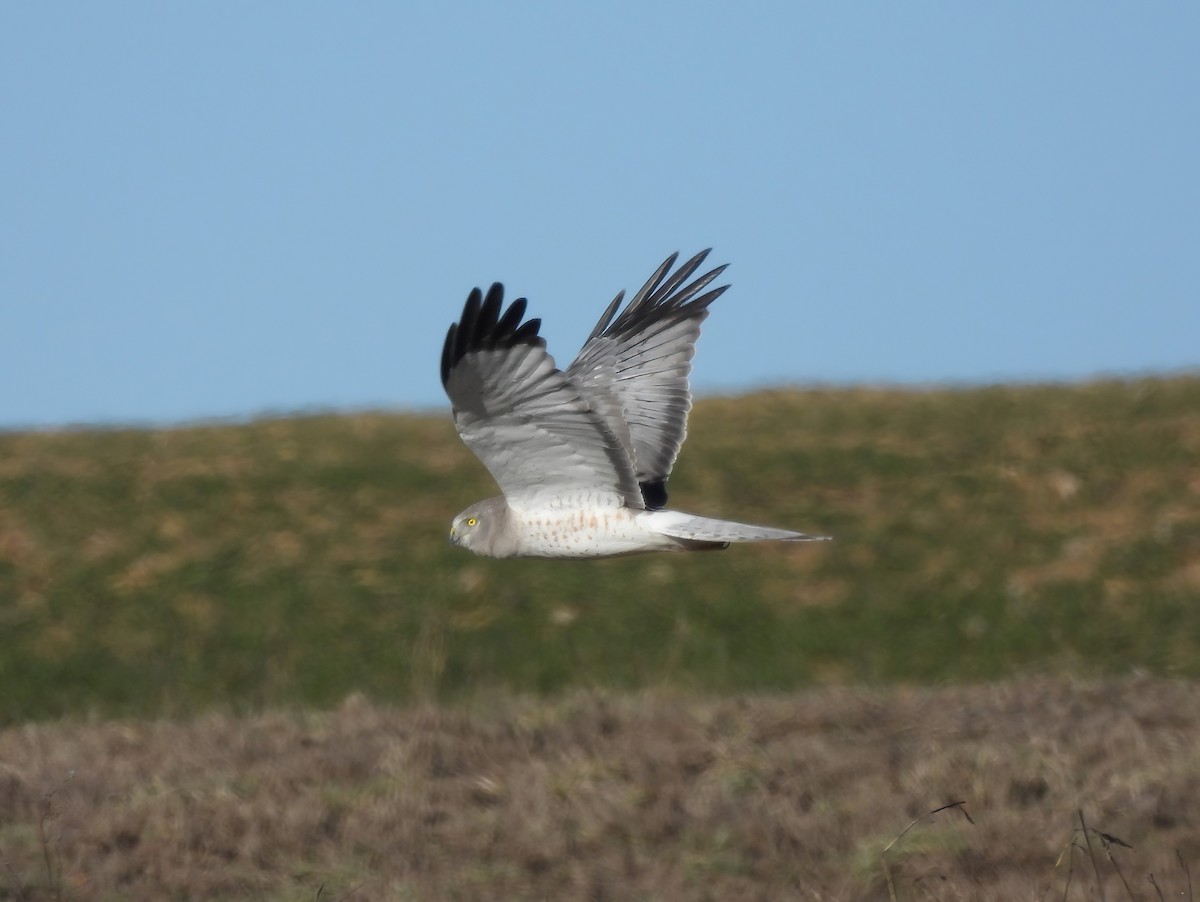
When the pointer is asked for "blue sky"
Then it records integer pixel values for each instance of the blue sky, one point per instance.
(229, 209)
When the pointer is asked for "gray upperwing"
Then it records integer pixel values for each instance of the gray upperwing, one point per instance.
(525, 420)
(636, 363)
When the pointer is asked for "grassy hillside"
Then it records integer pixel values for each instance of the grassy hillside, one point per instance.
(980, 533)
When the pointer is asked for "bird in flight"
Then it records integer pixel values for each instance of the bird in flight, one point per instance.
(582, 456)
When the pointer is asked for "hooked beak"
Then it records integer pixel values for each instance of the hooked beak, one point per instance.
(453, 537)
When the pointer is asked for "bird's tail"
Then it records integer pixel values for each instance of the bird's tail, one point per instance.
(689, 527)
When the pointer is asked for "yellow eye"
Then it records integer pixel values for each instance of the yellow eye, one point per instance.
(471, 521)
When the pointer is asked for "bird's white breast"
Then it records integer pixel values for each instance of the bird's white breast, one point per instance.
(585, 530)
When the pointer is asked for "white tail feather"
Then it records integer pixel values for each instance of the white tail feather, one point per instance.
(679, 525)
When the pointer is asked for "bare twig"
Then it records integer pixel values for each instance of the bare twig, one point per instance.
(50, 849)
(1108, 840)
(1069, 854)
(1117, 867)
(887, 871)
(1187, 873)
(1157, 888)
(900, 835)
(1092, 855)
(48, 855)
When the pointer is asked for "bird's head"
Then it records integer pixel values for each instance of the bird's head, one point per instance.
(480, 527)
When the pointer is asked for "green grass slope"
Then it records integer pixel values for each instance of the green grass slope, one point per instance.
(980, 533)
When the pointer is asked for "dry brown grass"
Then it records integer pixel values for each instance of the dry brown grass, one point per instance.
(603, 796)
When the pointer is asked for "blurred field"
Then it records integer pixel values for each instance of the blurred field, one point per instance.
(981, 534)
(279, 682)
(655, 796)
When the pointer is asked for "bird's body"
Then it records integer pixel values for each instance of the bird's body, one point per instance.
(583, 456)
(568, 531)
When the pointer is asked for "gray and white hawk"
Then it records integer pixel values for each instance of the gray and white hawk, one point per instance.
(583, 455)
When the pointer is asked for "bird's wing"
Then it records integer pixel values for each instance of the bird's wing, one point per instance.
(637, 364)
(530, 425)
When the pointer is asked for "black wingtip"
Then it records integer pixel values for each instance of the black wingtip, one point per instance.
(483, 327)
(664, 295)
(448, 352)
